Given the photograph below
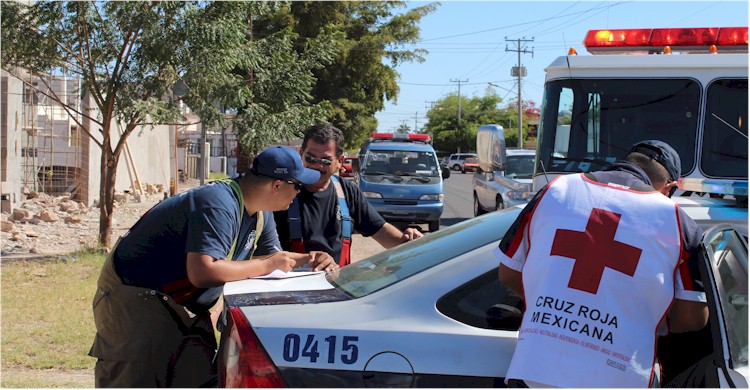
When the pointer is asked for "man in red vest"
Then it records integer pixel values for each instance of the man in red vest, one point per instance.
(327, 205)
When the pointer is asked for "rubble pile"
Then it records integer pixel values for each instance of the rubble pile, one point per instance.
(44, 224)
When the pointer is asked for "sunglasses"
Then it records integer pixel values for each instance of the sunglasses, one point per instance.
(314, 160)
(297, 185)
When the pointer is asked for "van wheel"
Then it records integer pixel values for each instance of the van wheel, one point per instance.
(499, 205)
(434, 225)
(456, 167)
(478, 210)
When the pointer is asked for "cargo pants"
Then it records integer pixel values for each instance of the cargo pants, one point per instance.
(139, 343)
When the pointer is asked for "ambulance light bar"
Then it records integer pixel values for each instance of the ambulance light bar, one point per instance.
(401, 137)
(655, 40)
(715, 186)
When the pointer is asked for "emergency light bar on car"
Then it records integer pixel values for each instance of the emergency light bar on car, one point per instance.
(715, 186)
(655, 40)
(401, 137)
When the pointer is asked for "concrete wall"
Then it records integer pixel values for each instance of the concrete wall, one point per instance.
(148, 158)
(10, 141)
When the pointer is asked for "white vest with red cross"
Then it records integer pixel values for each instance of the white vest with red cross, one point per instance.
(598, 279)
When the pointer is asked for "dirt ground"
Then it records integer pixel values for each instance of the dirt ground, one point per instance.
(41, 239)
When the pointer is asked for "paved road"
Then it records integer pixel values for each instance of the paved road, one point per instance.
(458, 199)
(458, 207)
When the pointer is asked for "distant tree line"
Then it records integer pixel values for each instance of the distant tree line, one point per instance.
(448, 135)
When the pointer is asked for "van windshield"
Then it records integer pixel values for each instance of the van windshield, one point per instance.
(400, 163)
(588, 124)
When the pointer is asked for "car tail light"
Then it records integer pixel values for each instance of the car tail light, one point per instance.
(243, 361)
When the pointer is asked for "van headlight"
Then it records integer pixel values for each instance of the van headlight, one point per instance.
(369, 194)
(519, 195)
(437, 197)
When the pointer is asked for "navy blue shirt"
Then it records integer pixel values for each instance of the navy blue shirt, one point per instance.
(205, 220)
(321, 224)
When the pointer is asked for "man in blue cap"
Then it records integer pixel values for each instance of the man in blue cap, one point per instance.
(162, 277)
(605, 262)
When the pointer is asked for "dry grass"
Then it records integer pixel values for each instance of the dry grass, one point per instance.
(47, 322)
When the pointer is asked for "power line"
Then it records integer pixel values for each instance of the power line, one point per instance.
(520, 48)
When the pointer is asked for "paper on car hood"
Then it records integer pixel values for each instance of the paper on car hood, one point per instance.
(275, 282)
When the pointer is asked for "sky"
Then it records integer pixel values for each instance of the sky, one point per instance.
(467, 42)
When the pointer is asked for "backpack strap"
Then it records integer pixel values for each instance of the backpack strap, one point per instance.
(295, 227)
(346, 224)
(241, 200)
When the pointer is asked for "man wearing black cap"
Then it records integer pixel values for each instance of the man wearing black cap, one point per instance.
(605, 261)
(162, 277)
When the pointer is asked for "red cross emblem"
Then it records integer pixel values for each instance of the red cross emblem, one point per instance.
(595, 249)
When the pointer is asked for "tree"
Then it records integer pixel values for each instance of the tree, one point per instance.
(128, 56)
(403, 129)
(362, 76)
(475, 112)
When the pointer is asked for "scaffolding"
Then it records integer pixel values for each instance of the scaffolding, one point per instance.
(51, 140)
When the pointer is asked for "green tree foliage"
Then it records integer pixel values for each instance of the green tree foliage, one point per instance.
(362, 76)
(128, 56)
(403, 129)
(449, 135)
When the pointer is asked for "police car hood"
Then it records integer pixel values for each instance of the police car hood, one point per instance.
(286, 288)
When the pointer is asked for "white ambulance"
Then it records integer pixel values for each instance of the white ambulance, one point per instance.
(685, 86)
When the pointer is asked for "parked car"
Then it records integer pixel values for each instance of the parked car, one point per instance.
(509, 187)
(348, 166)
(471, 164)
(456, 160)
(429, 313)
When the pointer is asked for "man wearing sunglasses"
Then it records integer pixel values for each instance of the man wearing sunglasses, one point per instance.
(605, 261)
(328, 205)
(164, 275)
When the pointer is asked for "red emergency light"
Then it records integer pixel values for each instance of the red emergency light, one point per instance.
(401, 137)
(654, 40)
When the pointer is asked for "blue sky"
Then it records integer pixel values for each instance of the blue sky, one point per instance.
(467, 42)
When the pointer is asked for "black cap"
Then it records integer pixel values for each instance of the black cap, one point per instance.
(662, 153)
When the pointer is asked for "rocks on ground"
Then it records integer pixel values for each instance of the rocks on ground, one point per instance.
(51, 225)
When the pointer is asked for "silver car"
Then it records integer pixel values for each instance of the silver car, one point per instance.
(502, 189)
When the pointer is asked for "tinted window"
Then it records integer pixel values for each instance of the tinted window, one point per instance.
(725, 130)
(398, 264)
(484, 303)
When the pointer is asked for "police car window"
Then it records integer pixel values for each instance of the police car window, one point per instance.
(724, 153)
(406, 260)
(484, 303)
(729, 255)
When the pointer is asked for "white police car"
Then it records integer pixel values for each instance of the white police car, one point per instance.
(430, 313)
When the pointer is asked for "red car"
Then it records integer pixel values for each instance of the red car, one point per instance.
(471, 164)
(348, 165)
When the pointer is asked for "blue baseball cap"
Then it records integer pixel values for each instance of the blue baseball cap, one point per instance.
(283, 163)
(662, 153)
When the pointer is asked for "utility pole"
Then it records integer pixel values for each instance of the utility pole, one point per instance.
(458, 118)
(416, 115)
(520, 72)
(431, 103)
